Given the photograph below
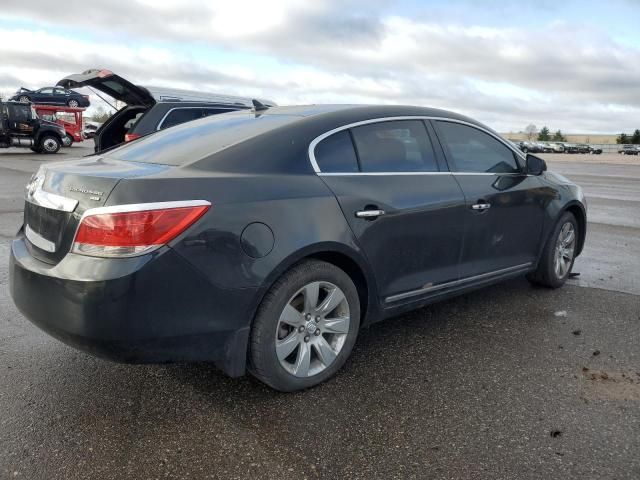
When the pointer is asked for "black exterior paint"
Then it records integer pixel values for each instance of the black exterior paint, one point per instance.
(195, 298)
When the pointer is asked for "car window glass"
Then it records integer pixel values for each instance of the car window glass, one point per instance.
(214, 111)
(181, 115)
(19, 113)
(58, 91)
(473, 150)
(46, 90)
(336, 154)
(396, 146)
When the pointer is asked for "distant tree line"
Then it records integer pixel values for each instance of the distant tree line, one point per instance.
(544, 135)
(626, 139)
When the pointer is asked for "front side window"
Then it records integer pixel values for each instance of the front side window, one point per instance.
(181, 115)
(475, 151)
(335, 154)
(47, 91)
(394, 146)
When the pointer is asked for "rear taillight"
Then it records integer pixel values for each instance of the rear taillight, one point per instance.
(130, 230)
(131, 136)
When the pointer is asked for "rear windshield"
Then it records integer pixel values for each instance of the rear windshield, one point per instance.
(197, 139)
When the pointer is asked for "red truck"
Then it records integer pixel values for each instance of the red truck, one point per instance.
(68, 117)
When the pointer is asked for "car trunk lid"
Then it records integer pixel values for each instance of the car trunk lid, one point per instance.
(59, 193)
(113, 85)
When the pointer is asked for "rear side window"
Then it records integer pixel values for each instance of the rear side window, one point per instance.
(475, 151)
(336, 154)
(180, 115)
(214, 111)
(396, 146)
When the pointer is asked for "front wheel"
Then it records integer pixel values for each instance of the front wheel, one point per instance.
(67, 141)
(24, 99)
(558, 255)
(50, 144)
(72, 103)
(305, 327)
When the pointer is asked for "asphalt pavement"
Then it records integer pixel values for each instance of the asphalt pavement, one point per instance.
(508, 382)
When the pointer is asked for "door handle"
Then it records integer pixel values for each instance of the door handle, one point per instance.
(369, 214)
(480, 207)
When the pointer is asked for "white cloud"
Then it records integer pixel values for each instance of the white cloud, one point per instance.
(562, 74)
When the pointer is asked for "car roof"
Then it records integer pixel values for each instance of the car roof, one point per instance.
(161, 94)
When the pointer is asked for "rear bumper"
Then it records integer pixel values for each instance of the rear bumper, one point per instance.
(150, 309)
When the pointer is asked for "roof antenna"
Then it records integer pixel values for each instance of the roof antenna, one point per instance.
(258, 106)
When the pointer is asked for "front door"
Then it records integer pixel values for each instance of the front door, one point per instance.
(505, 206)
(406, 212)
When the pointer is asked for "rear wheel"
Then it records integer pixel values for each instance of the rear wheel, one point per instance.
(305, 327)
(50, 144)
(558, 255)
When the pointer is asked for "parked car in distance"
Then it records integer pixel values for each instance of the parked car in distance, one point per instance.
(595, 150)
(21, 127)
(629, 150)
(68, 117)
(52, 96)
(149, 109)
(544, 147)
(90, 129)
(263, 242)
(557, 147)
(582, 148)
(527, 147)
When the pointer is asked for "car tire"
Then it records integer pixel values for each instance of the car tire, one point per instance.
(49, 144)
(72, 103)
(67, 141)
(24, 99)
(284, 352)
(558, 256)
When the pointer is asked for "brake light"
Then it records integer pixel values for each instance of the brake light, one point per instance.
(130, 230)
(131, 136)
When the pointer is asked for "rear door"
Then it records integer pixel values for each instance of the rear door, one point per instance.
(44, 95)
(505, 206)
(406, 212)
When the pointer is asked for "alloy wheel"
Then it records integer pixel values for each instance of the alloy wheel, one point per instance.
(565, 250)
(312, 329)
(24, 99)
(73, 103)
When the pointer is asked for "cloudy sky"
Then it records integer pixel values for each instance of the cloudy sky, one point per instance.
(573, 65)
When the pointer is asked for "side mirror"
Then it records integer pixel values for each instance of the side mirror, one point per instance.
(535, 165)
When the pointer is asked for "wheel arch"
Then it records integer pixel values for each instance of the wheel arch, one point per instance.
(341, 256)
(578, 211)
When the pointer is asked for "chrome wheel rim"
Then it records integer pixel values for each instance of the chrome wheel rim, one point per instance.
(73, 103)
(565, 249)
(312, 329)
(24, 99)
(50, 145)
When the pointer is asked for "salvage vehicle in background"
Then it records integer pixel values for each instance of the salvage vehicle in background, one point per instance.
(264, 240)
(90, 129)
(52, 96)
(149, 109)
(629, 150)
(21, 127)
(68, 117)
(527, 147)
(556, 147)
(595, 150)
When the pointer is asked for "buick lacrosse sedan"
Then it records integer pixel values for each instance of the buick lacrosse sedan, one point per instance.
(264, 240)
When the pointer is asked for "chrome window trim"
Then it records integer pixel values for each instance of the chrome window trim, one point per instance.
(52, 201)
(441, 286)
(38, 240)
(318, 139)
(193, 107)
